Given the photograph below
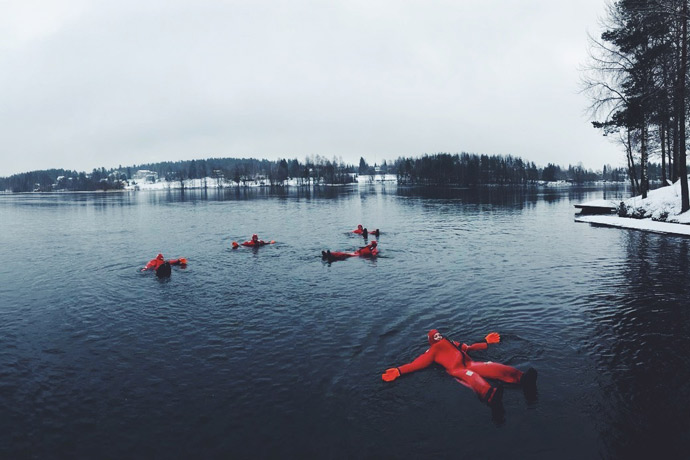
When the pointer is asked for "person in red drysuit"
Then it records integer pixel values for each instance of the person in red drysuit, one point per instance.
(368, 250)
(364, 232)
(255, 241)
(154, 263)
(454, 358)
(159, 260)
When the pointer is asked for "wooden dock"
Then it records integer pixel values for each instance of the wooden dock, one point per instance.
(598, 207)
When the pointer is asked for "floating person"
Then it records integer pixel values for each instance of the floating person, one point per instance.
(160, 260)
(162, 266)
(364, 232)
(455, 359)
(370, 250)
(254, 242)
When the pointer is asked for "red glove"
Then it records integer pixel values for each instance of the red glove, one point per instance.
(391, 374)
(493, 337)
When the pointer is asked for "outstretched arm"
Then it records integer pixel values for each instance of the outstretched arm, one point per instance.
(492, 337)
(150, 265)
(475, 346)
(419, 363)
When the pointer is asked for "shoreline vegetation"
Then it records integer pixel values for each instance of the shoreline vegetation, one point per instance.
(213, 183)
(649, 211)
(441, 169)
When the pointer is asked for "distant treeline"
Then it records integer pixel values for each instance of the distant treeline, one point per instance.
(315, 169)
(52, 179)
(470, 169)
(465, 169)
(439, 169)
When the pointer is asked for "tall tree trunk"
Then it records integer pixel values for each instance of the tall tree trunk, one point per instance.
(676, 142)
(677, 98)
(682, 163)
(669, 149)
(644, 163)
(631, 166)
(662, 131)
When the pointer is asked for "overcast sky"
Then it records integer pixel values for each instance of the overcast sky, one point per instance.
(89, 83)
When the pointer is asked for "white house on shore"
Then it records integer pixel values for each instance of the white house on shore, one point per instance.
(144, 175)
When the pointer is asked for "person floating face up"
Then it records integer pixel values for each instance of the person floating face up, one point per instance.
(454, 357)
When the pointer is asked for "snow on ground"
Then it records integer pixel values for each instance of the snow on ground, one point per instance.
(662, 204)
(659, 212)
(378, 178)
(602, 204)
(208, 182)
(211, 182)
(637, 224)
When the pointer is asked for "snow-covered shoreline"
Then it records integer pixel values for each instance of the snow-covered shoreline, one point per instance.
(215, 183)
(210, 182)
(648, 225)
(658, 213)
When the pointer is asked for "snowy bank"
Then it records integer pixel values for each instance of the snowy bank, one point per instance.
(648, 225)
(659, 212)
(662, 204)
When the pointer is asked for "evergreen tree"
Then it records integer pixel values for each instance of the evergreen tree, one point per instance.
(363, 166)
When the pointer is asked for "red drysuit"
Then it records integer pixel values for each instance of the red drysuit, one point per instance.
(159, 260)
(368, 250)
(255, 241)
(154, 263)
(454, 358)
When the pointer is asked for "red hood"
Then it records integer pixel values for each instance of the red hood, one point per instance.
(430, 336)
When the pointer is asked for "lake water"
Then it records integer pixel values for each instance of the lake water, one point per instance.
(275, 353)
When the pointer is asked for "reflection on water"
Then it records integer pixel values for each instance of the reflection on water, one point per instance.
(641, 325)
(273, 353)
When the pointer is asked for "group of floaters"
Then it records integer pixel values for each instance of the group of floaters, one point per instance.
(450, 354)
(163, 268)
(370, 250)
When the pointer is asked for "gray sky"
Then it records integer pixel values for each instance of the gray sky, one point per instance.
(91, 83)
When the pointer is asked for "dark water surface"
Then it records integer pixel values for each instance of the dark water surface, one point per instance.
(274, 353)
